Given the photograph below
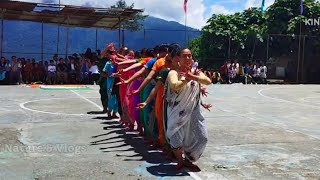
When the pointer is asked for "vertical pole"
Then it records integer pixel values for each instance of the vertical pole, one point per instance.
(299, 54)
(2, 24)
(96, 39)
(229, 48)
(144, 37)
(302, 62)
(268, 47)
(122, 37)
(67, 40)
(58, 38)
(42, 45)
(119, 33)
(185, 28)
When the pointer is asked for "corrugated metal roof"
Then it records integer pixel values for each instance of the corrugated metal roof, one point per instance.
(107, 18)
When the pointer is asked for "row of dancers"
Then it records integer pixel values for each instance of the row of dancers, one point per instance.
(161, 93)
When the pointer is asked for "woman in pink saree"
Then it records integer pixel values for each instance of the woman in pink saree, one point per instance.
(126, 119)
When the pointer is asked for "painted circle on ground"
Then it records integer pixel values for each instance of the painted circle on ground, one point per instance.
(24, 106)
(310, 101)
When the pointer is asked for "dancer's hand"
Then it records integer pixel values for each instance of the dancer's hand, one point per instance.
(207, 106)
(115, 75)
(204, 92)
(120, 71)
(142, 105)
(135, 92)
(122, 81)
(197, 71)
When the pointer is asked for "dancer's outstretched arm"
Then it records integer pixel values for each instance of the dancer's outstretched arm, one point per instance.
(152, 95)
(134, 77)
(133, 66)
(145, 82)
(201, 78)
(127, 62)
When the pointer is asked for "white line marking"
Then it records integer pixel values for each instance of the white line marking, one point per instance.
(194, 176)
(268, 122)
(93, 103)
(22, 105)
(304, 100)
(283, 100)
(5, 109)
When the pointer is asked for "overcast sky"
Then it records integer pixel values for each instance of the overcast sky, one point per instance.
(198, 10)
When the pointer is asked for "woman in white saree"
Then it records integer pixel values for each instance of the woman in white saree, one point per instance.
(186, 130)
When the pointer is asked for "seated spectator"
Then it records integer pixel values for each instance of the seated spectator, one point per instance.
(3, 70)
(43, 72)
(28, 72)
(84, 72)
(88, 54)
(15, 73)
(37, 72)
(62, 72)
(51, 76)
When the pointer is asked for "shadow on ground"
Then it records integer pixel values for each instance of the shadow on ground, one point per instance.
(131, 142)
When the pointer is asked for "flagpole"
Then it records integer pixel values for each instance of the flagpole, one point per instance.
(299, 50)
(299, 53)
(185, 28)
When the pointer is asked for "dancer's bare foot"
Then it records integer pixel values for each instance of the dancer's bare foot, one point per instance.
(170, 156)
(180, 166)
(191, 166)
(148, 141)
(140, 132)
(130, 127)
(121, 122)
(114, 116)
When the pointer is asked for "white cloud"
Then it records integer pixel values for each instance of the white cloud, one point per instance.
(219, 9)
(257, 3)
(171, 10)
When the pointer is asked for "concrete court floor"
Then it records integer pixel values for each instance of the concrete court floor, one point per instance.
(255, 132)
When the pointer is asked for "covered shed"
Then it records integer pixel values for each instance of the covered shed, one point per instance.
(65, 15)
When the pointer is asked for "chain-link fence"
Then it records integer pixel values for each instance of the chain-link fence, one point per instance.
(288, 57)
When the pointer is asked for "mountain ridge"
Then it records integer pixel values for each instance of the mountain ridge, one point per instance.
(23, 39)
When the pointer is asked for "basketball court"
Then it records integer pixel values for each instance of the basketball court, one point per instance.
(255, 132)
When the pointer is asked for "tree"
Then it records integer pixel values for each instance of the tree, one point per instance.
(133, 24)
(230, 36)
(244, 35)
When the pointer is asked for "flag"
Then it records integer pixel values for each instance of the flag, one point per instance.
(301, 7)
(262, 5)
(185, 4)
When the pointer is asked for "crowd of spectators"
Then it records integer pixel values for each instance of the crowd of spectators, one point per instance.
(76, 69)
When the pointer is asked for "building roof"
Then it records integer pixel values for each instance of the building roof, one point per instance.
(107, 18)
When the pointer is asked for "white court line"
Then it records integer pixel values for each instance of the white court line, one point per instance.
(87, 100)
(269, 122)
(291, 102)
(283, 100)
(5, 109)
(22, 105)
(193, 175)
(304, 99)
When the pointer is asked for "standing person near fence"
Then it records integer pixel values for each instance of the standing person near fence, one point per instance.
(186, 130)
(263, 73)
(102, 82)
